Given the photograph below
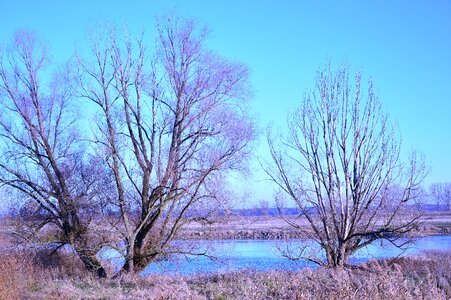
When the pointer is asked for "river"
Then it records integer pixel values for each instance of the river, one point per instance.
(264, 255)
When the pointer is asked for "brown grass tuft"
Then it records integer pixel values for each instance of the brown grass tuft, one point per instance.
(17, 272)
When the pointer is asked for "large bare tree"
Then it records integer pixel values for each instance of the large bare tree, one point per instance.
(39, 155)
(340, 164)
(171, 126)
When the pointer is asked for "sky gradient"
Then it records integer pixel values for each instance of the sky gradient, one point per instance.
(405, 46)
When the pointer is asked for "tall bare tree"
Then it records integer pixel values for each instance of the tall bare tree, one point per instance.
(442, 194)
(39, 156)
(171, 127)
(340, 164)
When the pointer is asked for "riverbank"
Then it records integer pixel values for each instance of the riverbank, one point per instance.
(269, 228)
(426, 276)
(272, 228)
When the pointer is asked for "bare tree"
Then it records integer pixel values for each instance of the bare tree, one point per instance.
(442, 194)
(171, 127)
(39, 155)
(341, 166)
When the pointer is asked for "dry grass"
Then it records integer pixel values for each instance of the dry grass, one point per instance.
(16, 272)
(24, 273)
(425, 277)
(428, 276)
(11, 279)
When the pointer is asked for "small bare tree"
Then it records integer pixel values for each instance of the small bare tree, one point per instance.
(39, 156)
(341, 166)
(442, 194)
(171, 127)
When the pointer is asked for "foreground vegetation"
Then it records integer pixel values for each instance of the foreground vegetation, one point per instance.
(427, 276)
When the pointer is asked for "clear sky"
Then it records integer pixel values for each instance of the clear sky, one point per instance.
(404, 45)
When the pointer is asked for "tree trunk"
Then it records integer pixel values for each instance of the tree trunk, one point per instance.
(129, 265)
(341, 255)
(135, 261)
(91, 263)
(336, 257)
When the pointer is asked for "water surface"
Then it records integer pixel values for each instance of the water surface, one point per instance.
(264, 255)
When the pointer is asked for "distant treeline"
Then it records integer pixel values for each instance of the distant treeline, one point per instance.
(274, 211)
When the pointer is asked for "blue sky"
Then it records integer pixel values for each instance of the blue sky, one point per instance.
(404, 45)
